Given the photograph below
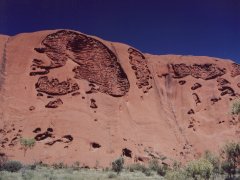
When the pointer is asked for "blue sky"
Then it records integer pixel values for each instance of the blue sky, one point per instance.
(188, 27)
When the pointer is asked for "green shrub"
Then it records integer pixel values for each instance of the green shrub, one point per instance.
(162, 170)
(229, 168)
(153, 164)
(60, 165)
(235, 109)
(137, 167)
(112, 175)
(76, 165)
(231, 153)
(27, 144)
(176, 175)
(117, 165)
(27, 175)
(3, 159)
(147, 172)
(214, 160)
(199, 168)
(12, 166)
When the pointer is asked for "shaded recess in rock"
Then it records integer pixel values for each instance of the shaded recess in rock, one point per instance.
(182, 82)
(196, 98)
(42, 136)
(191, 111)
(196, 86)
(226, 90)
(222, 81)
(93, 104)
(127, 152)
(37, 130)
(54, 104)
(95, 145)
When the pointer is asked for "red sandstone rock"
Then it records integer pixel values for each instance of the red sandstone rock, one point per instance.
(145, 105)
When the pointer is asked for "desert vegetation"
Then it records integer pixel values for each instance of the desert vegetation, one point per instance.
(27, 144)
(226, 165)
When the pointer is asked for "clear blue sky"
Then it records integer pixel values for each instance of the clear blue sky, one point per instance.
(191, 27)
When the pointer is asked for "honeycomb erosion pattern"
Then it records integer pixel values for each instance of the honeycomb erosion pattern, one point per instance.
(235, 70)
(203, 71)
(94, 62)
(140, 67)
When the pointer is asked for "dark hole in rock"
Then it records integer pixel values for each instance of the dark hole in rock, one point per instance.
(53, 142)
(124, 139)
(37, 130)
(191, 111)
(2, 154)
(127, 152)
(31, 108)
(39, 94)
(196, 86)
(215, 99)
(85, 167)
(50, 129)
(89, 92)
(190, 126)
(54, 104)
(83, 97)
(42, 136)
(76, 93)
(68, 137)
(95, 120)
(182, 82)
(93, 104)
(95, 145)
(91, 85)
(49, 96)
(65, 146)
(140, 159)
(40, 50)
(196, 98)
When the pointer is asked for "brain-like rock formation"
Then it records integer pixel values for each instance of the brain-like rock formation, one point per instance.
(54, 87)
(203, 71)
(140, 67)
(95, 62)
(235, 70)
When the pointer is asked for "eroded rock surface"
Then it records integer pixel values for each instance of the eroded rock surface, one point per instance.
(140, 67)
(95, 62)
(235, 70)
(54, 87)
(203, 71)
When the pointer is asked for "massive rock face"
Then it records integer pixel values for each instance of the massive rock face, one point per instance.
(91, 100)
